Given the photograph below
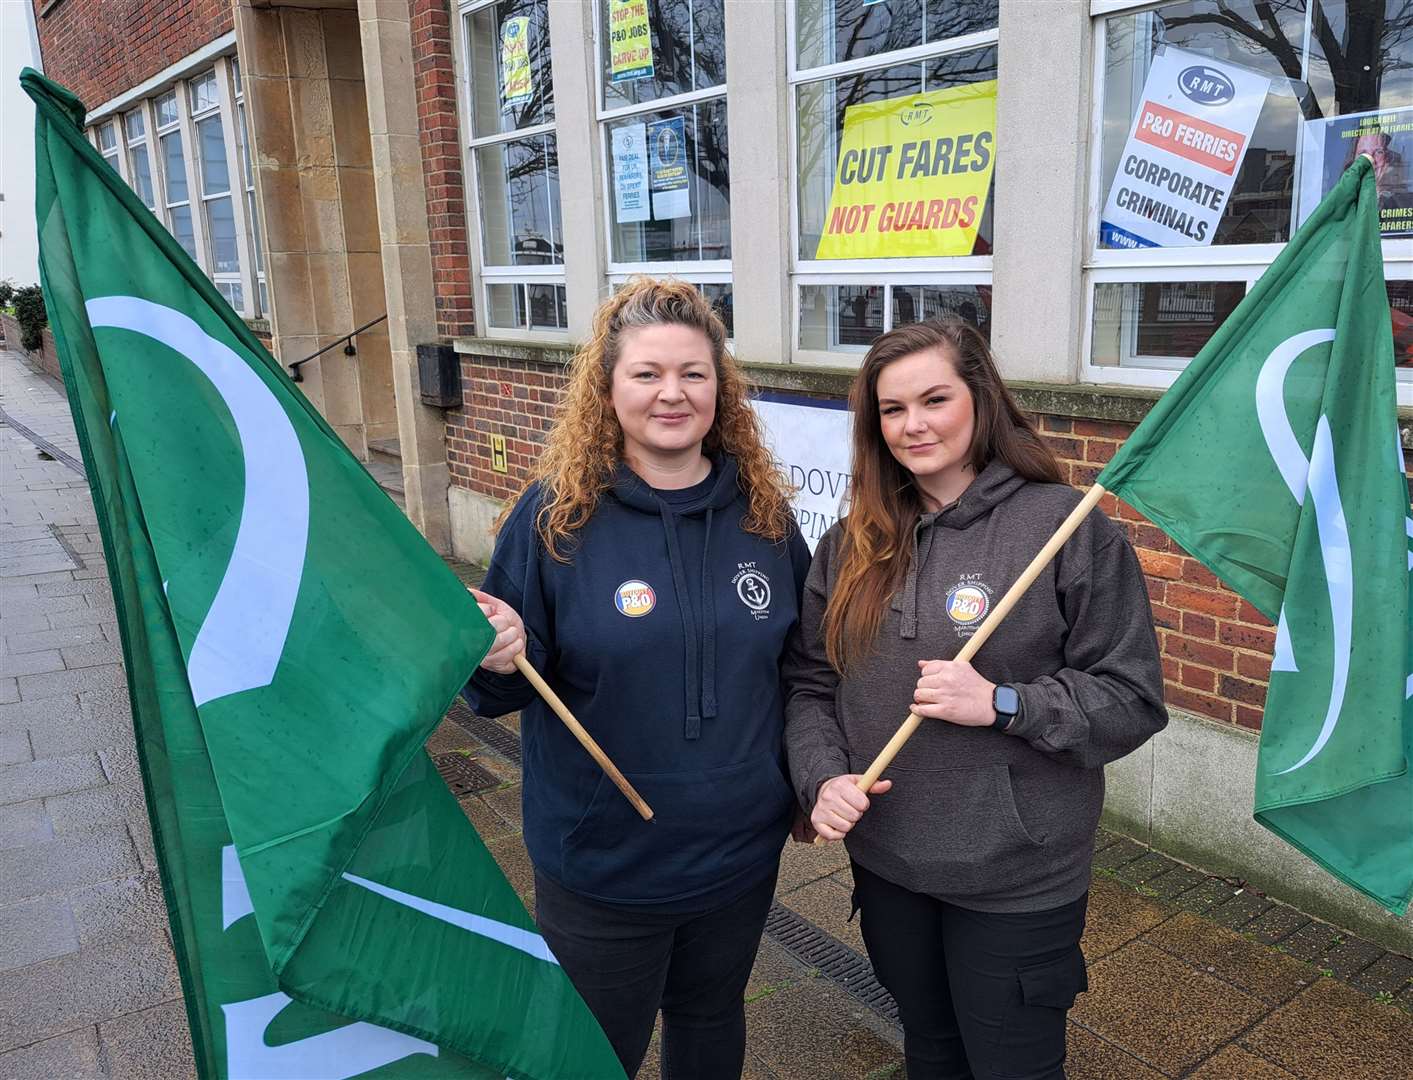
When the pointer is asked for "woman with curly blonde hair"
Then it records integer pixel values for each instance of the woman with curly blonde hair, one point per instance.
(652, 570)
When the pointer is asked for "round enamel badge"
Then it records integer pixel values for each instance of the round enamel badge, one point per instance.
(635, 598)
(966, 604)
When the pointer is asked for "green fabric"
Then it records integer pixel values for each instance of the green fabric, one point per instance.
(1275, 460)
(290, 643)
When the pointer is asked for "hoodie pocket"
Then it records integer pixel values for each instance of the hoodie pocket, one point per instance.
(958, 832)
(709, 826)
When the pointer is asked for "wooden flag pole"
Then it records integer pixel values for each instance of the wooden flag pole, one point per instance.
(987, 628)
(585, 739)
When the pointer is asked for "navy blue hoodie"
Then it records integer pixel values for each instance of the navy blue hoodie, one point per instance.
(664, 634)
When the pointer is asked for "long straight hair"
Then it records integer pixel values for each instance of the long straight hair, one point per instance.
(885, 502)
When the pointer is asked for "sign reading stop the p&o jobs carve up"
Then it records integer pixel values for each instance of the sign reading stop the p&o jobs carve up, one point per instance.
(1184, 150)
(912, 175)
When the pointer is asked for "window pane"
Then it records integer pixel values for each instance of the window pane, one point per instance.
(107, 138)
(547, 307)
(511, 87)
(167, 109)
(1349, 57)
(244, 134)
(221, 235)
(506, 305)
(252, 216)
(1400, 302)
(203, 92)
(831, 31)
(179, 220)
(1159, 323)
(174, 167)
(823, 108)
(519, 184)
(687, 40)
(135, 124)
(670, 186)
(141, 169)
(234, 294)
(840, 316)
(719, 293)
(215, 175)
(915, 303)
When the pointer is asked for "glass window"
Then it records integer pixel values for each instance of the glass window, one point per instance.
(510, 67)
(211, 144)
(832, 31)
(679, 156)
(523, 306)
(108, 139)
(167, 109)
(203, 92)
(520, 213)
(847, 318)
(1159, 323)
(174, 167)
(654, 49)
(823, 111)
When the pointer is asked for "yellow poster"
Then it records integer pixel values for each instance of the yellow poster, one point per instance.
(912, 175)
(630, 42)
(515, 61)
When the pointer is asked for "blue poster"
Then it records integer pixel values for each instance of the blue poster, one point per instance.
(667, 169)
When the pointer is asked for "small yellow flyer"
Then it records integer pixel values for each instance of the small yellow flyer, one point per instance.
(630, 42)
(515, 61)
(912, 175)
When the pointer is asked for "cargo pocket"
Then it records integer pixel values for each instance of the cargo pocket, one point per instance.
(1033, 1036)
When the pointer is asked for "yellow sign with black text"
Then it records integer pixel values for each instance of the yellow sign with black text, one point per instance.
(912, 175)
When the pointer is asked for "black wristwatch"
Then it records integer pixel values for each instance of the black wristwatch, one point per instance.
(1006, 701)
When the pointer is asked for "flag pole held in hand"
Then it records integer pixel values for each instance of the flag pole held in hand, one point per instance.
(984, 631)
(585, 739)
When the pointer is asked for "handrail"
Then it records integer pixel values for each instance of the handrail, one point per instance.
(349, 349)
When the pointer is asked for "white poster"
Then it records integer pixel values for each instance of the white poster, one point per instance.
(630, 173)
(1184, 150)
(811, 443)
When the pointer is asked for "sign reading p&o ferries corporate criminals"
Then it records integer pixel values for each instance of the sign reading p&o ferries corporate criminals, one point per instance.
(1184, 150)
(912, 175)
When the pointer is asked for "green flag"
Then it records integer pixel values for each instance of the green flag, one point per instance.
(290, 643)
(1275, 461)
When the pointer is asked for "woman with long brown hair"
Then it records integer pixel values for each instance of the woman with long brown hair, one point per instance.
(971, 860)
(652, 571)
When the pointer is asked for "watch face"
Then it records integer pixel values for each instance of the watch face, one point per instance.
(1006, 700)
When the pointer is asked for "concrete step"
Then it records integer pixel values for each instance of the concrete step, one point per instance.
(387, 449)
(389, 476)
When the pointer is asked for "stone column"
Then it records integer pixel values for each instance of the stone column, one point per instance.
(758, 121)
(406, 256)
(1042, 163)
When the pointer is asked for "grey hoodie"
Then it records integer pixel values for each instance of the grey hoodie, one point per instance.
(989, 820)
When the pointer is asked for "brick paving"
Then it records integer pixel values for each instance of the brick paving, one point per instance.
(1190, 975)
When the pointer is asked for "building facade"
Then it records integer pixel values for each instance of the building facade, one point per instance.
(484, 173)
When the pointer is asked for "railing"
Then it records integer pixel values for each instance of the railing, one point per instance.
(349, 348)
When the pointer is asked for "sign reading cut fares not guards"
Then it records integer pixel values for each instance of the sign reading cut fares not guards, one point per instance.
(912, 175)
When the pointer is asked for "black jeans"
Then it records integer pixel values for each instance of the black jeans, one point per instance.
(627, 963)
(982, 996)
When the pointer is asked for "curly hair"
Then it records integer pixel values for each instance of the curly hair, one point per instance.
(585, 446)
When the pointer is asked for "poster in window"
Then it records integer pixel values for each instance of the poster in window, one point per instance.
(667, 169)
(1184, 152)
(1329, 146)
(630, 41)
(912, 175)
(517, 81)
(630, 173)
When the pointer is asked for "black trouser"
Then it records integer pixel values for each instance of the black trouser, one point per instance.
(627, 963)
(982, 996)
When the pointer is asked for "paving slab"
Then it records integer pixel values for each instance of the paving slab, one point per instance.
(87, 987)
(1331, 1030)
(1257, 969)
(109, 804)
(24, 823)
(51, 776)
(65, 863)
(1234, 1063)
(1276, 924)
(15, 748)
(826, 903)
(36, 930)
(1161, 1008)
(1390, 974)
(70, 682)
(126, 908)
(812, 1031)
(154, 1044)
(1116, 916)
(71, 1056)
(802, 863)
(1091, 1058)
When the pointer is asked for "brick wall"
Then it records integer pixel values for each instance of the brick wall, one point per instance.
(441, 165)
(99, 48)
(1216, 647)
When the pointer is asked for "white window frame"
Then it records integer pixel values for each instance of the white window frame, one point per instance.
(1227, 262)
(251, 244)
(972, 270)
(221, 112)
(484, 276)
(697, 271)
(181, 128)
(147, 143)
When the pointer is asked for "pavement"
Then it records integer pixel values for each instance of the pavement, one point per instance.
(1190, 975)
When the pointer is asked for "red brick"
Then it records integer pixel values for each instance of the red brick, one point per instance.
(1249, 693)
(1194, 572)
(1199, 626)
(1248, 637)
(1207, 601)
(1248, 717)
(1065, 448)
(1199, 652)
(1199, 678)
(1157, 564)
(1166, 617)
(1203, 704)
(1100, 450)
(1253, 666)
(1057, 423)
(1103, 429)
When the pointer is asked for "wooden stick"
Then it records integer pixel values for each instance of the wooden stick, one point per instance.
(987, 628)
(585, 739)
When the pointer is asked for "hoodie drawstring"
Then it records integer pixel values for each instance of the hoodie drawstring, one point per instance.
(708, 626)
(701, 657)
(906, 604)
